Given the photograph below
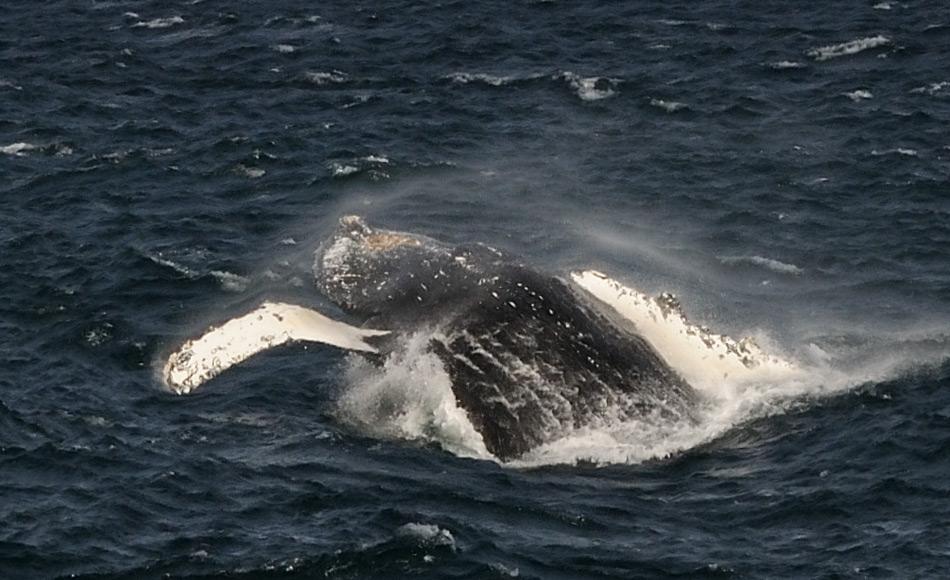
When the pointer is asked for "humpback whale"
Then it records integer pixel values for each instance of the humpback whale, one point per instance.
(530, 356)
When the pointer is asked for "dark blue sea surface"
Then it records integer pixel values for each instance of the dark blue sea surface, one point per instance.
(784, 169)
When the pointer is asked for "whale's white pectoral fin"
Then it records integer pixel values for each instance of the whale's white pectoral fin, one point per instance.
(269, 325)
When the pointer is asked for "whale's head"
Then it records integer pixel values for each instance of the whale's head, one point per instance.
(368, 271)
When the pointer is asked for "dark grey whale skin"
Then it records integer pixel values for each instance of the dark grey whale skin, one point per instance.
(529, 358)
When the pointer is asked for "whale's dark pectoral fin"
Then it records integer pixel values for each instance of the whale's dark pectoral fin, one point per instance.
(272, 324)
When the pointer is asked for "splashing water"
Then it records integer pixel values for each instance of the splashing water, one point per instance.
(409, 397)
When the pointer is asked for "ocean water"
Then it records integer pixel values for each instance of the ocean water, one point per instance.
(785, 171)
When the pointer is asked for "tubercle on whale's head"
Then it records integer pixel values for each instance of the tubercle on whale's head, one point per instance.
(369, 271)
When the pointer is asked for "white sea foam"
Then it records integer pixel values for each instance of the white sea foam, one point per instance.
(590, 88)
(158, 22)
(464, 78)
(774, 265)
(847, 48)
(251, 172)
(409, 397)
(284, 48)
(933, 88)
(161, 260)
(326, 78)
(906, 152)
(372, 163)
(427, 534)
(17, 149)
(883, 6)
(342, 169)
(230, 281)
(859, 95)
(786, 64)
(668, 106)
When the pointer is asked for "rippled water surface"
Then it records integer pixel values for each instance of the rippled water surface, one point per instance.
(165, 165)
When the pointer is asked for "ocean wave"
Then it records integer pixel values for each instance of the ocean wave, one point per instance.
(156, 23)
(847, 48)
(859, 95)
(785, 65)
(189, 263)
(18, 149)
(590, 88)
(373, 164)
(933, 88)
(230, 281)
(250, 172)
(768, 263)
(427, 534)
(906, 152)
(668, 106)
(326, 78)
(5, 84)
(464, 78)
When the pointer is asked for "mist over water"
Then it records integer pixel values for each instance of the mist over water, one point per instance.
(165, 166)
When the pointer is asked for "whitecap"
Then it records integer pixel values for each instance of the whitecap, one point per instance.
(99, 335)
(251, 172)
(342, 169)
(464, 78)
(230, 281)
(326, 78)
(159, 22)
(933, 88)
(907, 152)
(859, 95)
(428, 534)
(769, 263)
(591, 88)
(284, 48)
(17, 149)
(785, 65)
(847, 48)
(161, 260)
(882, 6)
(668, 106)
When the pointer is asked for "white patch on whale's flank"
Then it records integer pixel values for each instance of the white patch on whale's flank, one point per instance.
(270, 325)
(409, 397)
(703, 358)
